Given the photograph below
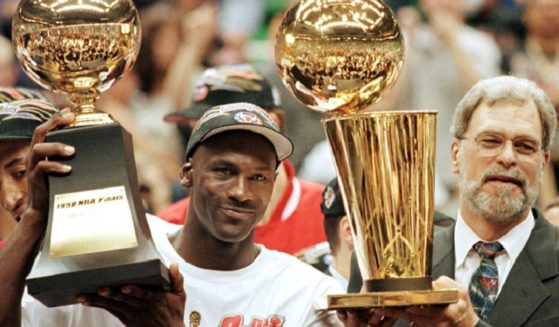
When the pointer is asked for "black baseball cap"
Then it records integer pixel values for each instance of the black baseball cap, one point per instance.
(239, 116)
(18, 119)
(332, 205)
(228, 84)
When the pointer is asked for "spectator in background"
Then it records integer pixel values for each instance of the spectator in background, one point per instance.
(156, 165)
(551, 212)
(538, 60)
(293, 220)
(174, 44)
(238, 22)
(302, 125)
(444, 58)
(8, 68)
(338, 232)
(7, 10)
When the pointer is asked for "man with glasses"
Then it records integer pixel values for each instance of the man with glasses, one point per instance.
(501, 255)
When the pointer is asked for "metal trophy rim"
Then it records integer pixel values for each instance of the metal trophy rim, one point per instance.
(365, 114)
(392, 299)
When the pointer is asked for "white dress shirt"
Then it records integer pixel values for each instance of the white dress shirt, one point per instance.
(337, 276)
(467, 260)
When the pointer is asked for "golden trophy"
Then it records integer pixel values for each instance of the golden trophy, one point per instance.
(97, 233)
(337, 57)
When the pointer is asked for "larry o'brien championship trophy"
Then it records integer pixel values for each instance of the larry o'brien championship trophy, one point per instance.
(338, 57)
(97, 233)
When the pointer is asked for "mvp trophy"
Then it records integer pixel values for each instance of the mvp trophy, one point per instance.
(97, 233)
(338, 57)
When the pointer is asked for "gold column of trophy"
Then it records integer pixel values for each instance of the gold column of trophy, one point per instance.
(337, 57)
(97, 233)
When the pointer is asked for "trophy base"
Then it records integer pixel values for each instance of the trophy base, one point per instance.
(391, 299)
(63, 289)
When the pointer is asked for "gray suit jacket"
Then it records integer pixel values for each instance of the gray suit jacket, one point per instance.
(530, 296)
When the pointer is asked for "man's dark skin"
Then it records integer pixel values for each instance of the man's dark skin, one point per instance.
(19, 252)
(231, 184)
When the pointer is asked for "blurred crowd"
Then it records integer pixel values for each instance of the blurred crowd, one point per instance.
(450, 45)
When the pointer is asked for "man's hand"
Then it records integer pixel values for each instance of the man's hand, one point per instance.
(137, 306)
(364, 318)
(38, 163)
(460, 314)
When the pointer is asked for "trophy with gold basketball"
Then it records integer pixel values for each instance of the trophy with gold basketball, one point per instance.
(97, 233)
(338, 57)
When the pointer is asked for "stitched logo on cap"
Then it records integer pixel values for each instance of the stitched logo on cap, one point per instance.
(329, 197)
(246, 117)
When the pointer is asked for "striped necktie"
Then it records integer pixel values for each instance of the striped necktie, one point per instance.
(485, 280)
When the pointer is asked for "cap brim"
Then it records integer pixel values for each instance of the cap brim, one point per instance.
(18, 129)
(282, 144)
(15, 138)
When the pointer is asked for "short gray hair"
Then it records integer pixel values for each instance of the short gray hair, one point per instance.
(505, 88)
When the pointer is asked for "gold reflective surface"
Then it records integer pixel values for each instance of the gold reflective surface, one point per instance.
(386, 164)
(392, 299)
(77, 47)
(338, 56)
(91, 221)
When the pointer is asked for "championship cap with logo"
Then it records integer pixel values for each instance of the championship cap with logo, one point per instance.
(18, 119)
(239, 116)
(228, 84)
(332, 205)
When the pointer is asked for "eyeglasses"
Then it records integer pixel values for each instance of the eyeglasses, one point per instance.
(493, 144)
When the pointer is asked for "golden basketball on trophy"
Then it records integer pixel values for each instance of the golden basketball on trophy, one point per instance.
(97, 233)
(339, 57)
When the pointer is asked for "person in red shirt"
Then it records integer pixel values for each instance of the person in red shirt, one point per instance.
(293, 221)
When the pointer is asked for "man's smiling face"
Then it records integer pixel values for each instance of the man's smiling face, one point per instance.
(500, 160)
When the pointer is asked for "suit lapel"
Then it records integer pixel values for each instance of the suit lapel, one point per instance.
(524, 290)
(443, 253)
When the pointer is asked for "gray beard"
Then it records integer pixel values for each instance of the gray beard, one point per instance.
(505, 207)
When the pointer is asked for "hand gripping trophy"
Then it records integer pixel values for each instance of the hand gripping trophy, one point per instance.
(337, 57)
(97, 233)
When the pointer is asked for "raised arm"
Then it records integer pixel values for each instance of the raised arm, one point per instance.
(17, 256)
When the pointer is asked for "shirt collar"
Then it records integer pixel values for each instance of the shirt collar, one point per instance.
(513, 242)
(337, 276)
